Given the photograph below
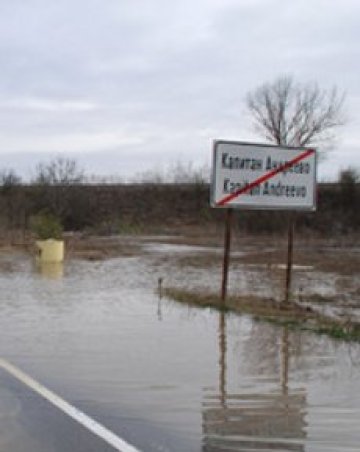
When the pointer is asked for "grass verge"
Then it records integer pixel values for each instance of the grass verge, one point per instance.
(267, 309)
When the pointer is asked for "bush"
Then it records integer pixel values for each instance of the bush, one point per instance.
(46, 226)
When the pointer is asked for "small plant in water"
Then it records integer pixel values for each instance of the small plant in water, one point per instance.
(46, 226)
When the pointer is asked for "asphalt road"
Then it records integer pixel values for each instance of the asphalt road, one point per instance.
(29, 423)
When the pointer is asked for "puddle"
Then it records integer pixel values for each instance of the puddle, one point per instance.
(179, 248)
(172, 378)
(295, 267)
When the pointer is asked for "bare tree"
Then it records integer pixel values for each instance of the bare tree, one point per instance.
(11, 197)
(349, 179)
(293, 114)
(187, 173)
(349, 176)
(9, 179)
(57, 189)
(60, 171)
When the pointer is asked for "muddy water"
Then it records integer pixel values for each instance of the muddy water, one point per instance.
(172, 378)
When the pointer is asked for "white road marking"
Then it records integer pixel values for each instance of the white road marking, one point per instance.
(82, 418)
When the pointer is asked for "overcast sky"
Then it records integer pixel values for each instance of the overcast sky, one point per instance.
(125, 86)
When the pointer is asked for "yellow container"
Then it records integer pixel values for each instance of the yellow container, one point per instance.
(50, 250)
(51, 270)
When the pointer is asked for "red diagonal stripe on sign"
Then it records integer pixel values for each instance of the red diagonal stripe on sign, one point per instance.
(265, 177)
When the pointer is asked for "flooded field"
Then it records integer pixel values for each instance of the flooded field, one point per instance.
(168, 377)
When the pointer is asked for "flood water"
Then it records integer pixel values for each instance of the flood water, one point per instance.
(168, 377)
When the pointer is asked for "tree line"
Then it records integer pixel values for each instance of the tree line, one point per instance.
(61, 190)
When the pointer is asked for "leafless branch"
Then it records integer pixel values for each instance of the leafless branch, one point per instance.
(293, 114)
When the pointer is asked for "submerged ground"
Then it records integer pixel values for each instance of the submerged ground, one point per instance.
(168, 376)
(325, 278)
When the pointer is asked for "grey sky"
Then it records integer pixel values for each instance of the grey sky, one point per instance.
(128, 85)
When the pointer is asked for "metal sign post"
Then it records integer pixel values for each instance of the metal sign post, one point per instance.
(291, 228)
(227, 243)
(258, 176)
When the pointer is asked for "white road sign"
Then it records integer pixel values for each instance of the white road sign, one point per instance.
(257, 176)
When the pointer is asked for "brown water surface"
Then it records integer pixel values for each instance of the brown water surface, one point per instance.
(172, 378)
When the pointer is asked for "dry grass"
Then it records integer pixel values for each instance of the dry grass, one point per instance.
(341, 262)
(245, 304)
(330, 260)
(290, 314)
(99, 248)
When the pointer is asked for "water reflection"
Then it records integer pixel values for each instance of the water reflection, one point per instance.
(273, 420)
(50, 270)
(160, 296)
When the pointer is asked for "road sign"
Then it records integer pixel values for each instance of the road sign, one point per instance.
(258, 176)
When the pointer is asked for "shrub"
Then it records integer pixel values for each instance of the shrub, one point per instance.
(46, 226)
